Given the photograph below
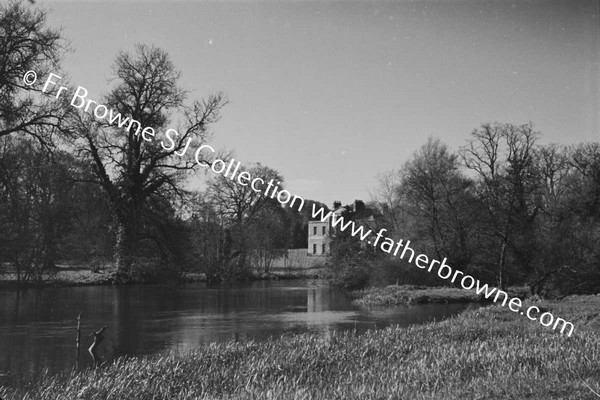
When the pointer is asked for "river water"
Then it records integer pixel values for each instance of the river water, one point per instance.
(38, 326)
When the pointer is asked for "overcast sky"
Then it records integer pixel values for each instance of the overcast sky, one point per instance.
(331, 93)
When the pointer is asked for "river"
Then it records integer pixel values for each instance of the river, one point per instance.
(38, 326)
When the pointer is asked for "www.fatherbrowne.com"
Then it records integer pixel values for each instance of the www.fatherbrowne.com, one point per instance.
(444, 271)
(79, 100)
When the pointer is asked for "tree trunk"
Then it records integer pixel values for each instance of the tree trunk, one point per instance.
(123, 251)
(241, 261)
(501, 271)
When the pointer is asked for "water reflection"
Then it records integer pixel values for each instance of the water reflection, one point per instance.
(38, 327)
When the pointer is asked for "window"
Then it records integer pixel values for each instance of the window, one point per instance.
(323, 230)
(324, 247)
(315, 247)
(314, 230)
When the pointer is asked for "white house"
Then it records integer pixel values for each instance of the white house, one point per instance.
(320, 233)
(318, 238)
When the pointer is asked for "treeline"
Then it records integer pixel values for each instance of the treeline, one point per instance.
(236, 230)
(53, 211)
(75, 189)
(504, 208)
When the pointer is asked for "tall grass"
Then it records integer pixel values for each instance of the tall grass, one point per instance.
(410, 294)
(482, 354)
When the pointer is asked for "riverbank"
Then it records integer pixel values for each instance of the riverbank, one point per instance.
(486, 353)
(412, 295)
(66, 276)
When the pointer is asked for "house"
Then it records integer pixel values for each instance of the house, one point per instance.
(318, 238)
(320, 233)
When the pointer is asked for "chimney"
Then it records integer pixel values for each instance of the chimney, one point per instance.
(359, 206)
(336, 205)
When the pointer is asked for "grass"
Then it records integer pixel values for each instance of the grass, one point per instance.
(66, 275)
(411, 294)
(486, 353)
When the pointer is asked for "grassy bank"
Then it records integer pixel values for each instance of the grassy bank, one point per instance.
(82, 276)
(482, 354)
(411, 294)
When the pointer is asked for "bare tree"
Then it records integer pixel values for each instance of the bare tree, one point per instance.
(135, 172)
(388, 200)
(239, 206)
(267, 236)
(36, 189)
(433, 186)
(504, 158)
(555, 170)
(585, 159)
(26, 44)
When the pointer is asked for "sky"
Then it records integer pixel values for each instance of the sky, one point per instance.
(331, 93)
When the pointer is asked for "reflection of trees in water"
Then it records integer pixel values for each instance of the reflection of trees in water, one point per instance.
(153, 319)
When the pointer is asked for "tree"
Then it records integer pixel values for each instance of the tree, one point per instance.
(352, 263)
(503, 157)
(554, 223)
(576, 222)
(388, 199)
(239, 207)
(210, 242)
(141, 176)
(585, 159)
(26, 44)
(435, 194)
(89, 239)
(555, 170)
(268, 236)
(36, 205)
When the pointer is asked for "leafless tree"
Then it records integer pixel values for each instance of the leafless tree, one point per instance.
(240, 205)
(134, 172)
(388, 200)
(503, 156)
(26, 44)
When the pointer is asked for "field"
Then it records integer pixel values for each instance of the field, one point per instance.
(484, 353)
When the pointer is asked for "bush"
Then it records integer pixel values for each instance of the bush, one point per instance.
(391, 271)
(349, 266)
(349, 277)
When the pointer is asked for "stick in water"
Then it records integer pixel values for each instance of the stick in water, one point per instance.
(78, 340)
(98, 338)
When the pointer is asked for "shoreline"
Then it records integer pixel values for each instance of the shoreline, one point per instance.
(486, 352)
(109, 279)
(392, 295)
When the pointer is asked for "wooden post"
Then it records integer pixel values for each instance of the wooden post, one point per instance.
(78, 341)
